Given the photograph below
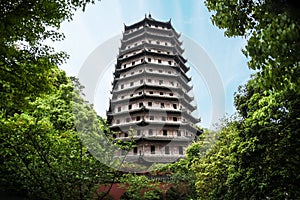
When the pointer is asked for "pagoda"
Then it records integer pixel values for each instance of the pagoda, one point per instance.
(150, 100)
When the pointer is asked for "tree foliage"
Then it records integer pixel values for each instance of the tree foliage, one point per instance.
(257, 156)
(43, 119)
(212, 168)
(26, 63)
(41, 151)
(272, 30)
(140, 187)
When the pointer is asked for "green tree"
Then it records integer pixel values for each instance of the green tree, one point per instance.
(184, 173)
(212, 169)
(140, 187)
(41, 151)
(266, 149)
(26, 63)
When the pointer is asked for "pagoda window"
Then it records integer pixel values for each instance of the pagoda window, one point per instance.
(178, 133)
(170, 62)
(135, 150)
(117, 121)
(157, 42)
(141, 104)
(122, 86)
(138, 132)
(138, 118)
(172, 83)
(152, 149)
(126, 134)
(124, 75)
(166, 43)
(133, 63)
(150, 70)
(159, 61)
(171, 94)
(132, 73)
(180, 150)
(124, 66)
(162, 105)
(141, 81)
(131, 95)
(149, 59)
(150, 92)
(167, 150)
(135, 44)
(128, 46)
(158, 51)
(119, 109)
(150, 41)
(122, 97)
(168, 52)
(165, 132)
(150, 104)
(175, 119)
(150, 132)
(160, 82)
(163, 118)
(160, 71)
(140, 70)
(131, 83)
(161, 93)
(129, 106)
(149, 80)
(127, 119)
(151, 117)
(142, 60)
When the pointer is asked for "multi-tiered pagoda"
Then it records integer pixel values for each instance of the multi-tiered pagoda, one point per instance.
(151, 94)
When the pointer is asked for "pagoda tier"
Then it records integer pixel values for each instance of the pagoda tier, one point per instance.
(150, 93)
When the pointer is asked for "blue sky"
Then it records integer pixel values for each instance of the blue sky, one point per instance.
(191, 18)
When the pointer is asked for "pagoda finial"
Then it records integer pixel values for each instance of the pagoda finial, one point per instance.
(149, 15)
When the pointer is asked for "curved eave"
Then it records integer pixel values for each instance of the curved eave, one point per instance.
(178, 59)
(149, 35)
(146, 96)
(178, 69)
(152, 74)
(166, 32)
(145, 110)
(145, 52)
(156, 138)
(148, 20)
(178, 49)
(183, 95)
(186, 126)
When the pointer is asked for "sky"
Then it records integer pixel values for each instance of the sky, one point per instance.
(214, 59)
